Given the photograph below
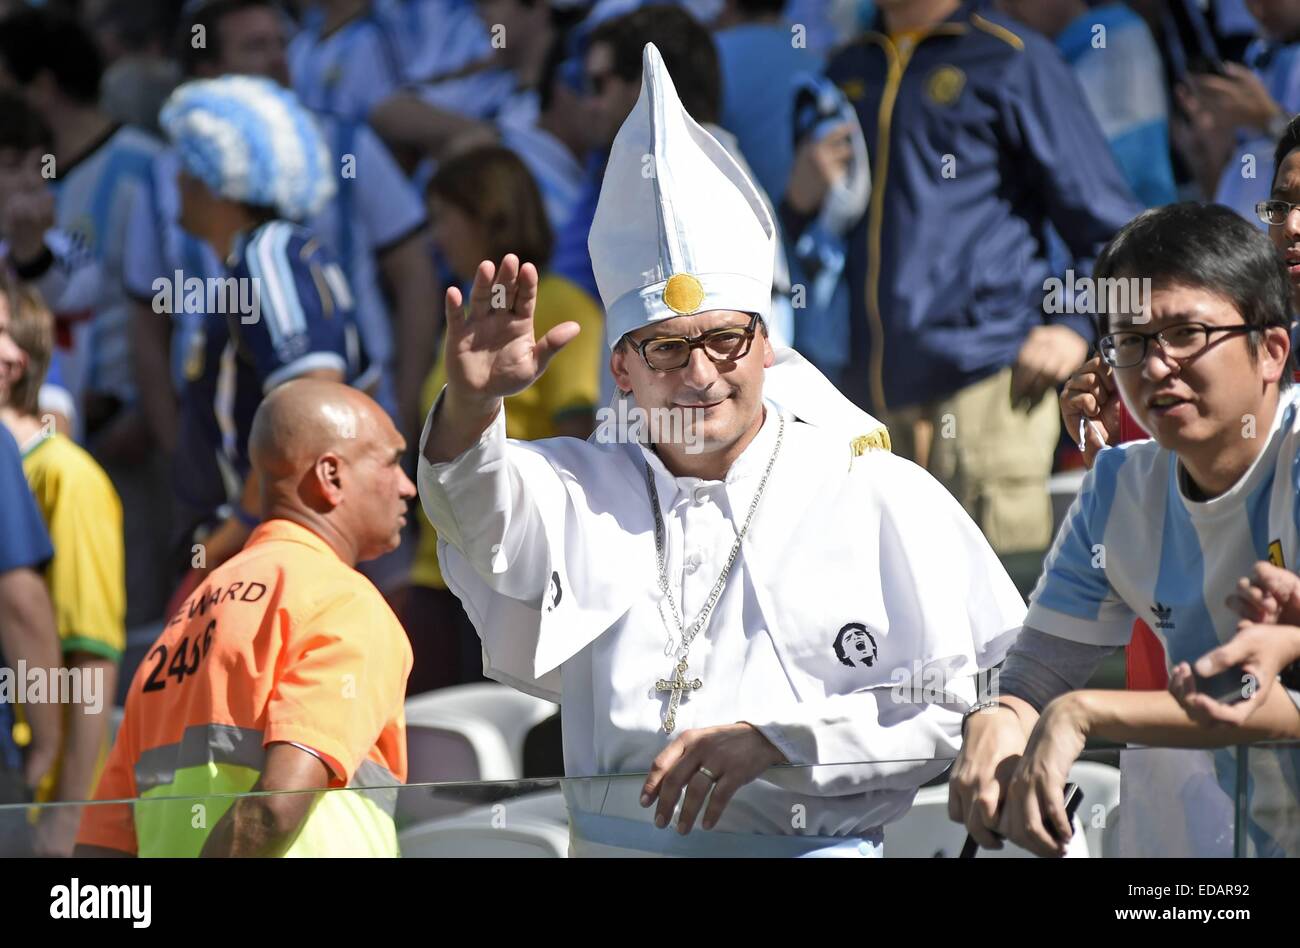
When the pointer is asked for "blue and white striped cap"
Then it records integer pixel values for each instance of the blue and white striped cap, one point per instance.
(251, 140)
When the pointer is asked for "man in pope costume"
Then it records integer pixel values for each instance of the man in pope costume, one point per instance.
(769, 586)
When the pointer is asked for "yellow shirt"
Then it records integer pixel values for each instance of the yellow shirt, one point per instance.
(87, 576)
(570, 383)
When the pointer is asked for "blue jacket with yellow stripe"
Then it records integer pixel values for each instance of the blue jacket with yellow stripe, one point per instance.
(979, 135)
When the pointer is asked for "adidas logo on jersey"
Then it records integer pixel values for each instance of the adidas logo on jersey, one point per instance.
(1163, 613)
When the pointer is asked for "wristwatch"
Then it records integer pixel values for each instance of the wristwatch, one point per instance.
(984, 706)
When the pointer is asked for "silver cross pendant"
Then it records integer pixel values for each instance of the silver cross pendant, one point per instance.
(676, 685)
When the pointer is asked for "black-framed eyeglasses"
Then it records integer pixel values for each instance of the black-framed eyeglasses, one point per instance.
(1127, 348)
(727, 344)
(1275, 212)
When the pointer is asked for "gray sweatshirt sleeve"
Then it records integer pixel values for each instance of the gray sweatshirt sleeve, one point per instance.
(1039, 667)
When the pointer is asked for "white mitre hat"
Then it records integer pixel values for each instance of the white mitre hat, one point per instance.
(679, 228)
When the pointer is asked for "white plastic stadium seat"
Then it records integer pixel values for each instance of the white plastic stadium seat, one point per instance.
(510, 713)
(446, 746)
(522, 839)
(532, 826)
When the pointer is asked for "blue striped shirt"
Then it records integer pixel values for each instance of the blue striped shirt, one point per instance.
(1111, 50)
(1134, 545)
(304, 321)
(350, 71)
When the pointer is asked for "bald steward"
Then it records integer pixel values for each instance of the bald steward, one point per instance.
(329, 458)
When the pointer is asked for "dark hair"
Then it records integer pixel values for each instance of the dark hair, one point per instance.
(1207, 247)
(209, 16)
(686, 47)
(493, 186)
(21, 127)
(32, 42)
(1288, 143)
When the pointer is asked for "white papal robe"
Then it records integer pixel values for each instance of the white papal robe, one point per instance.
(550, 547)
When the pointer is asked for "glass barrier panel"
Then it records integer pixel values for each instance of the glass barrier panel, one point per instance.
(1144, 802)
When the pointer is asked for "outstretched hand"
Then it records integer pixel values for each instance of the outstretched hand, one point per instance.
(491, 353)
(491, 349)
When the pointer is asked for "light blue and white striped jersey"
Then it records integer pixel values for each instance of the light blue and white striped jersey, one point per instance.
(436, 37)
(93, 204)
(350, 71)
(304, 323)
(1111, 50)
(374, 208)
(1134, 545)
(1248, 176)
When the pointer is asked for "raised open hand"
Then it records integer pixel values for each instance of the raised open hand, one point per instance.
(491, 348)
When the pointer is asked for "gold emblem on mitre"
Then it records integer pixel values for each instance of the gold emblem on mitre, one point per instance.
(945, 84)
(683, 294)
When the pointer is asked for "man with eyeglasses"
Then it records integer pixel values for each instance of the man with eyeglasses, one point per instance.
(1279, 212)
(1163, 530)
(684, 594)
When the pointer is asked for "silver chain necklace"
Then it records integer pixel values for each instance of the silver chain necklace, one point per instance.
(679, 683)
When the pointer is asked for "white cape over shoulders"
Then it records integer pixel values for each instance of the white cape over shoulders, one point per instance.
(845, 534)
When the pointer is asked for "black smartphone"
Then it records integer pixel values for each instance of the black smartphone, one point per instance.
(1227, 687)
(1073, 797)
